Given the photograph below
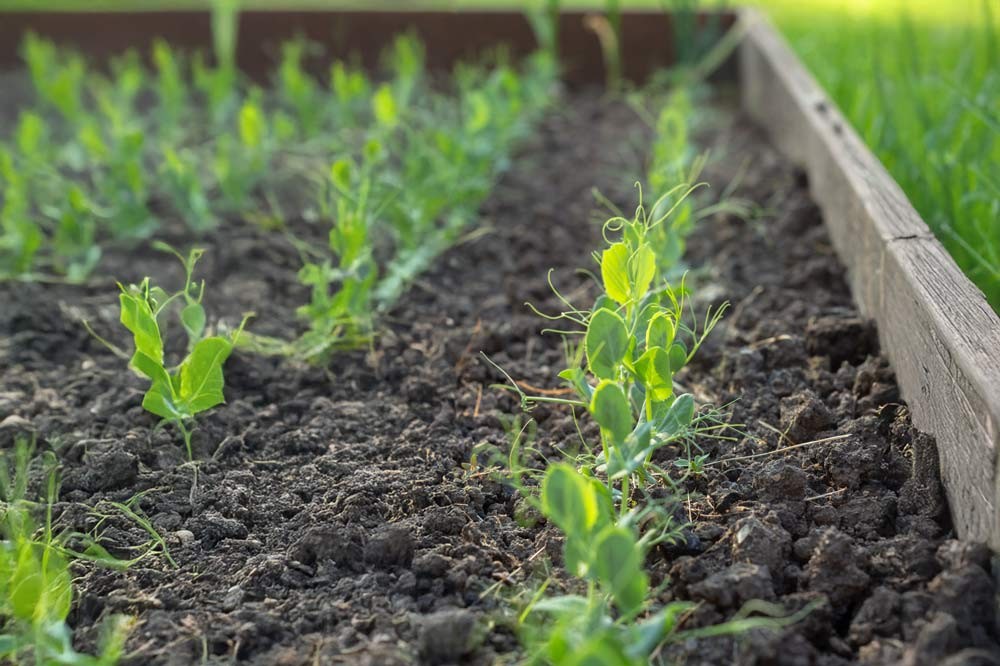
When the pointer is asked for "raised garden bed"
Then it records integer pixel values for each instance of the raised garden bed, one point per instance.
(347, 514)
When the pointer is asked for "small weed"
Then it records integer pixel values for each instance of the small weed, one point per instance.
(695, 466)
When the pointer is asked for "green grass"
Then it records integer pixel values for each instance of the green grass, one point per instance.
(921, 87)
(917, 78)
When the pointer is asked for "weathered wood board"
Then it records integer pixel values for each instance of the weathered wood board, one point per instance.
(936, 327)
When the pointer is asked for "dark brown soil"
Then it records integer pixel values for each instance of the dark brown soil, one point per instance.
(331, 519)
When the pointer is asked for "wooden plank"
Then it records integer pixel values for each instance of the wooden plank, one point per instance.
(936, 327)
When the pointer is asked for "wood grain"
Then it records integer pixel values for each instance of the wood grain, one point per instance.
(936, 327)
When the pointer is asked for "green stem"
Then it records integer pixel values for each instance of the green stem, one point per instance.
(625, 492)
(607, 458)
(559, 401)
(186, 434)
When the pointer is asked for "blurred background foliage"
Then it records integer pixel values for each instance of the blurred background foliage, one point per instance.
(917, 78)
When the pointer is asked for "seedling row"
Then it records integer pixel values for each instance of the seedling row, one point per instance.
(372, 188)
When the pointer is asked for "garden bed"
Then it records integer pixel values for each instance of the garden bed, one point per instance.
(351, 513)
(333, 519)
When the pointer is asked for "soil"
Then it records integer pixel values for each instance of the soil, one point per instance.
(334, 515)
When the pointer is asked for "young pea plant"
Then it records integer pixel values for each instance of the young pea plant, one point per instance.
(75, 251)
(242, 159)
(406, 60)
(611, 624)
(545, 24)
(171, 90)
(618, 622)
(413, 187)
(300, 92)
(183, 183)
(695, 465)
(673, 159)
(340, 313)
(448, 168)
(179, 393)
(635, 340)
(217, 83)
(58, 76)
(218, 90)
(35, 578)
(46, 223)
(351, 91)
(113, 146)
(36, 151)
(128, 78)
(20, 236)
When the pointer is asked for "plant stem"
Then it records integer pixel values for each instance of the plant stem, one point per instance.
(186, 434)
(625, 492)
(559, 401)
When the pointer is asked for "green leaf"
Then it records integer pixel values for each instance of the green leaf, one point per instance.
(137, 317)
(678, 356)
(643, 269)
(603, 302)
(201, 374)
(606, 343)
(577, 379)
(563, 604)
(193, 319)
(576, 554)
(660, 331)
(653, 371)
(384, 106)
(612, 411)
(568, 500)
(632, 455)
(601, 650)
(678, 417)
(161, 401)
(252, 125)
(614, 272)
(154, 371)
(648, 634)
(478, 113)
(340, 174)
(617, 565)
(40, 588)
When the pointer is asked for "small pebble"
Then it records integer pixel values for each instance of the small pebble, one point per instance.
(184, 536)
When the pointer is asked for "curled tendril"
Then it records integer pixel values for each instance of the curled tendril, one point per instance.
(614, 225)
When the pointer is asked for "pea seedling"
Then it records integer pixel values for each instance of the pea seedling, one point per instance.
(35, 578)
(413, 185)
(58, 76)
(184, 185)
(241, 159)
(299, 92)
(606, 625)
(634, 342)
(20, 236)
(176, 394)
(170, 87)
